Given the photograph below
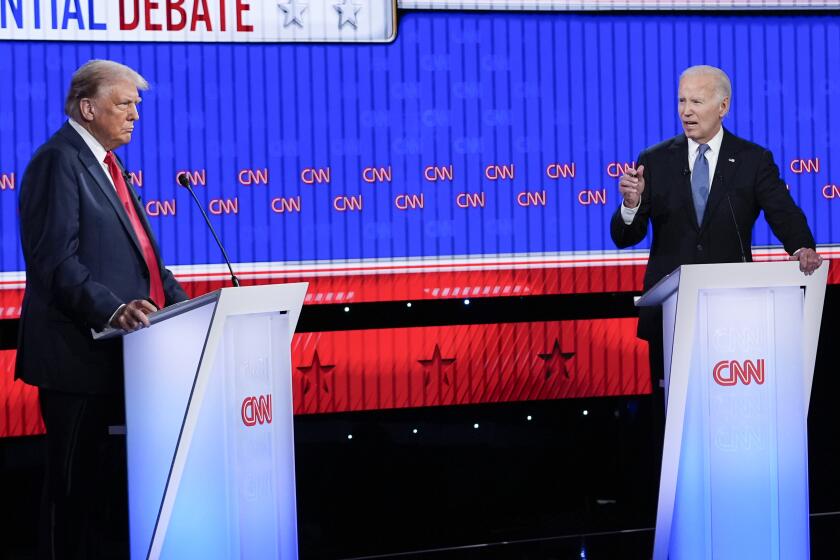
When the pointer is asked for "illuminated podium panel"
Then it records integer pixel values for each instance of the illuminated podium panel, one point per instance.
(211, 470)
(740, 345)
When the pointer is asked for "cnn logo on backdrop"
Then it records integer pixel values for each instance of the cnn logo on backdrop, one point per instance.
(729, 372)
(256, 410)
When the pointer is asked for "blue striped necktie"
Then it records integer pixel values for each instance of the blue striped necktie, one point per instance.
(700, 182)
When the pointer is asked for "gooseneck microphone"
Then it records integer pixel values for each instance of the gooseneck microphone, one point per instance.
(184, 181)
(737, 229)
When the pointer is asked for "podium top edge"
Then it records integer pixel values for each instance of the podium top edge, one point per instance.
(733, 275)
(661, 290)
(184, 306)
(250, 293)
(165, 313)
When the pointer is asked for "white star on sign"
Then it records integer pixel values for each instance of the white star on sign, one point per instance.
(294, 12)
(347, 12)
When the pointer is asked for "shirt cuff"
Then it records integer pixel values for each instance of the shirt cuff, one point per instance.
(628, 214)
(113, 315)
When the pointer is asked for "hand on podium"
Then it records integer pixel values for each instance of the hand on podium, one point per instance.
(809, 260)
(133, 315)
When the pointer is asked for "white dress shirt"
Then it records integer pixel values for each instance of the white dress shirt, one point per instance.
(627, 214)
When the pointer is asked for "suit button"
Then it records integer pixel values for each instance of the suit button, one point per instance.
(699, 247)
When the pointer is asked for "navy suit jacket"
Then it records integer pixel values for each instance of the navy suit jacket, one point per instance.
(83, 261)
(745, 176)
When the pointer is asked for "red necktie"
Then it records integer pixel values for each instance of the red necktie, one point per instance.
(155, 284)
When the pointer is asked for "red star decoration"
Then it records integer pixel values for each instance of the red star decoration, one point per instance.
(556, 360)
(435, 365)
(317, 369)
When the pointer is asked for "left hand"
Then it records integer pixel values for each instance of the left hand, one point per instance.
(809, 260)
(133, 315)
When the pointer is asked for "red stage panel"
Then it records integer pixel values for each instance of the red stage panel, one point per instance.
(400, 285)
(430, 366)
(391, 286)
(20, 414)
(467, 364)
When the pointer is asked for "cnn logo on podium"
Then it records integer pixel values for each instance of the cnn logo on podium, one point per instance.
(729, 372)
(256, 410)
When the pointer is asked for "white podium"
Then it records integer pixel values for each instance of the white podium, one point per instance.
(211, 471)
(740, 344)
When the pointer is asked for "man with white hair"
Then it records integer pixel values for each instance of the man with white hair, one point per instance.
(702, 192)
(91, 262)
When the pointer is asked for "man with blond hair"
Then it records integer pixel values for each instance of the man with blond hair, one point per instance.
(702, 192)
(91, 262)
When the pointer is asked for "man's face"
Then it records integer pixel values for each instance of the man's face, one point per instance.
(701, 111)
(111, 115)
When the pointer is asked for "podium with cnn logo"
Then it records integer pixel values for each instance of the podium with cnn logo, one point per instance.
(211, 471)
(740, 345)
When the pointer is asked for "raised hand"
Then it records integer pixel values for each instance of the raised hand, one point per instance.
(631, 185)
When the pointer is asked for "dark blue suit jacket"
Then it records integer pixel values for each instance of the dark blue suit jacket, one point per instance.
(83, 261)
(745, 176)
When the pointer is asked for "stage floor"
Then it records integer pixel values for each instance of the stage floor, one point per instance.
(551, 480)
(629, 544)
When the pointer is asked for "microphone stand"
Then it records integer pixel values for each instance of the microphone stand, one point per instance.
(185, 182)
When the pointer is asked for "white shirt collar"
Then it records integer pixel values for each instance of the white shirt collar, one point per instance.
(98, 151)
(714, 144)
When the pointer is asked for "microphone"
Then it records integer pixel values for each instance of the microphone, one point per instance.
(184, 181)
(133, 194)
(737, 230)
(686, 172)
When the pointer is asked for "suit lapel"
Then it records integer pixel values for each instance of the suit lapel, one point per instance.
(679, 163)
(95, 170)
(724, 172)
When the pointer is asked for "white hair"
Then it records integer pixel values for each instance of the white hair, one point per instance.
(723, 87)
(93, 77)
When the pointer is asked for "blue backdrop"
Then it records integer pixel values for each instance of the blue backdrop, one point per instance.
(462, 89)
